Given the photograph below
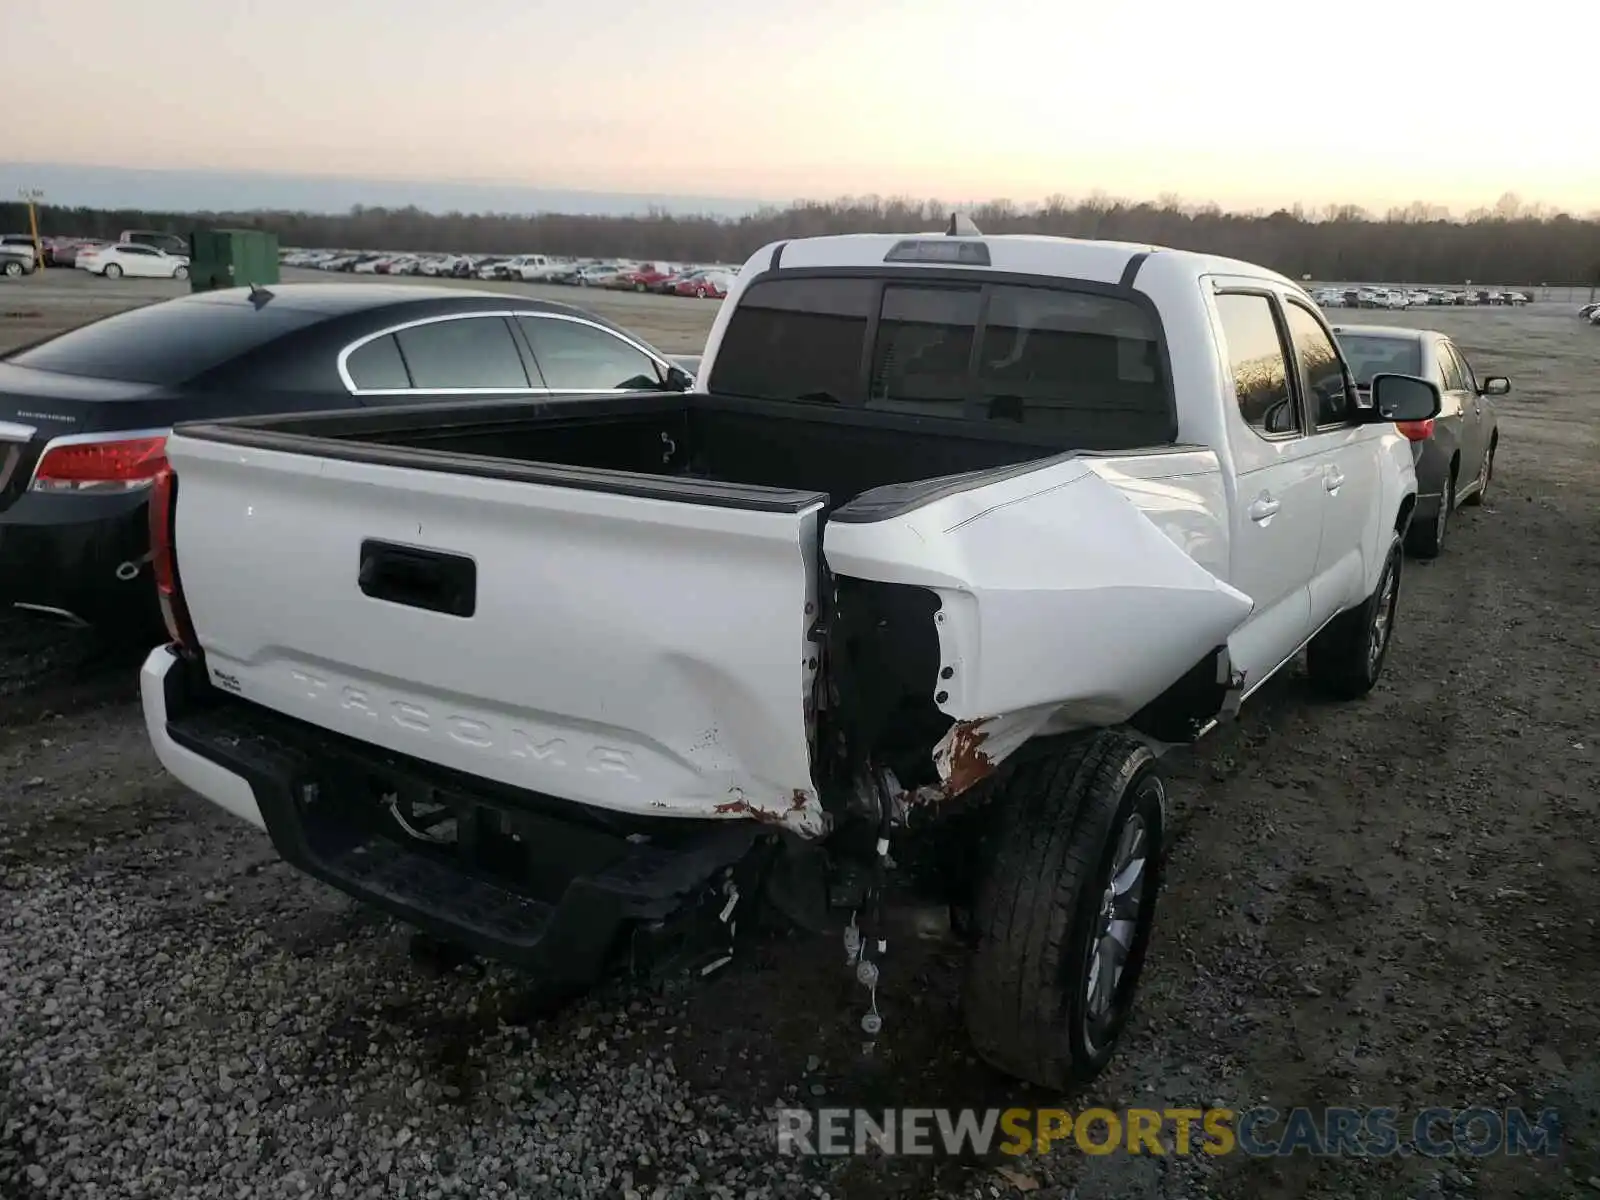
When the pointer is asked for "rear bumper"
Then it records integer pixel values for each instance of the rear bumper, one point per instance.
(223, 787)
(87, 556)
(1433, 473)
(523, 878)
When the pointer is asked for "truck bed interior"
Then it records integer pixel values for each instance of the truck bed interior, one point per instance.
(842, 452)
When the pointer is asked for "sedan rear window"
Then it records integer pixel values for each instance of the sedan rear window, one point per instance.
(1370, 355)
(164, 344)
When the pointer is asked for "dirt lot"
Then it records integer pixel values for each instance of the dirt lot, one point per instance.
(1388, 903)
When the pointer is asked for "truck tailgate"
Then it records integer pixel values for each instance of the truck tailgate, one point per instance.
(642, 655)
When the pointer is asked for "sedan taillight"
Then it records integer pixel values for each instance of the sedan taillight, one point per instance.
(110, 465)
(1417, 431)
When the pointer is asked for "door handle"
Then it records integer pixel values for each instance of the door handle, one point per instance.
(1264, 509)
(1333, 482)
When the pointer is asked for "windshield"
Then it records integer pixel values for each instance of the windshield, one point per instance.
(1374, 354)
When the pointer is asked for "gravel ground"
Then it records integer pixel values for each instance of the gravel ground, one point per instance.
(1383, 903)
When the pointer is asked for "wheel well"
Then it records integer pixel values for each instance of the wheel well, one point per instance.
(1403, 517)
(1455, 465)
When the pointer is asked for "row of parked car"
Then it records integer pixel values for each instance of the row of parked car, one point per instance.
(700, 280)
(1412, 297)
(18, 255)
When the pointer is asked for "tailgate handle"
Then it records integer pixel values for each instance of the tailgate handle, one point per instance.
(418, 578)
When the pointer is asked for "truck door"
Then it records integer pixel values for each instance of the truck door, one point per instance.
(1276, 518)
(1347, 467)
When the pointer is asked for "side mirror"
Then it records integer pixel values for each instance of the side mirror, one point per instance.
(679, 380)
(1404, 398)
(1496, 385)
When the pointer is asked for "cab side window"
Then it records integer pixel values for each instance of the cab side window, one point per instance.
(1322, 377)
(1259, 364)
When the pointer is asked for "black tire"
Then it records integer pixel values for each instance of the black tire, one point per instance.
(1044, 904)
(1346, 658)
(1485, 475)
(13, 268)
(112, 271)
(1425, 539)
(180, 272)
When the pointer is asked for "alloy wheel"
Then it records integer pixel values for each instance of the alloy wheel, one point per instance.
(1124, 911)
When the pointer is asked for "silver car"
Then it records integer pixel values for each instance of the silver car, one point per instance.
(1455, 451)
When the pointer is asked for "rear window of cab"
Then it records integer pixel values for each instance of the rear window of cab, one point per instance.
(1035, 358)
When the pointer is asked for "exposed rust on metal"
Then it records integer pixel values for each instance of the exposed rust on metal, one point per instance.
(969, 763)
(799, 801)
(962, 762)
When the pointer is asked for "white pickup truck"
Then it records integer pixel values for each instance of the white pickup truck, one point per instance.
(948, 526)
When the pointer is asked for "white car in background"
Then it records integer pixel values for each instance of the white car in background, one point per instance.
(20, 247)
(1389, 298)
(142, 262)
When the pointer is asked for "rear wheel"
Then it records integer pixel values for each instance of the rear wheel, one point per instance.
(1065, 909)
(1347, 657)
(180, 272)
(13, 268)
(1426, 539)
(112, 271)
(1485, 474)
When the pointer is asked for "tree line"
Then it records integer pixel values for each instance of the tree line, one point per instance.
(1508, 244)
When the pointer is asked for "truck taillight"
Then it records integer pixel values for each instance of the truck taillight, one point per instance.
(164, 560)
(109, 465)
(1417, 431)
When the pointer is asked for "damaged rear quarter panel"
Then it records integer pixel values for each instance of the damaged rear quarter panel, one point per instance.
(1070, 596)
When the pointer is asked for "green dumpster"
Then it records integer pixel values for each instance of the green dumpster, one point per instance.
(220, 258)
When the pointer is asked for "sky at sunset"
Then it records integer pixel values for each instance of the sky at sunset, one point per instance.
(1240, 102)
